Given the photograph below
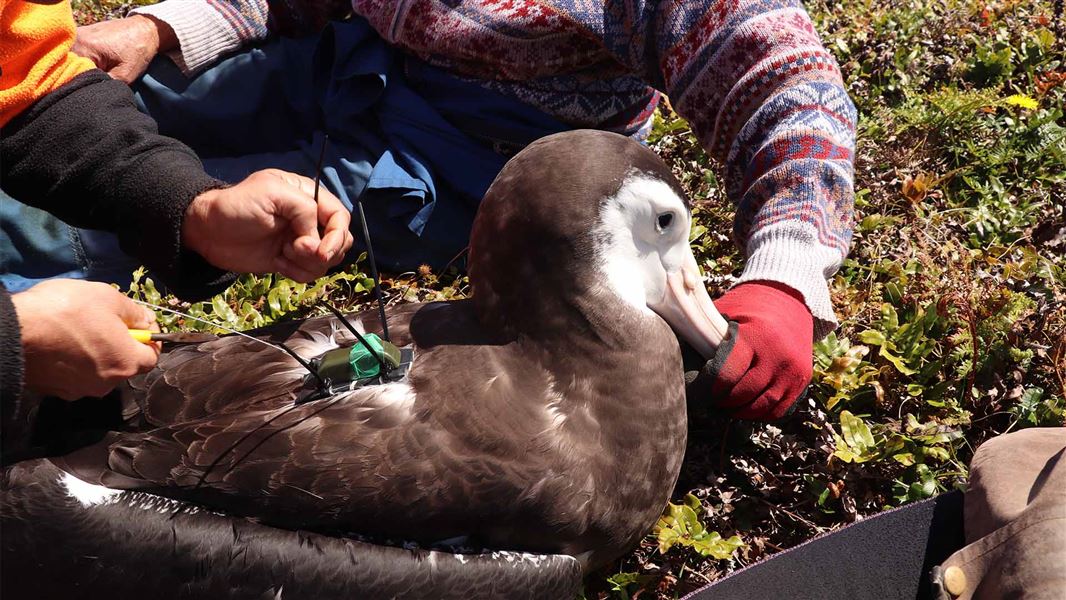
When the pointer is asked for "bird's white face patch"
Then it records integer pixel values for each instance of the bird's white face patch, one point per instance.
(646, 260)
(644, 228)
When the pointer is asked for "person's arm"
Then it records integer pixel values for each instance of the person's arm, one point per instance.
(767, 100)
(76, 145)
(65, 338)
(87, 155)
(73, 143)
(195, 33)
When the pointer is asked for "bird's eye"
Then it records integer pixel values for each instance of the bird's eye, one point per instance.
(664, 220)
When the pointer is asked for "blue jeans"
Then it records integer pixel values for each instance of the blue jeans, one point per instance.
(417, 146)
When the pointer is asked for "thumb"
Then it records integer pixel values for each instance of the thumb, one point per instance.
(301, 213)
(132, 314)
(732, 360)
(135, 316)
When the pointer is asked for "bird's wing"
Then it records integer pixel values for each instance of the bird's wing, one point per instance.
(60, 542)
(447, 452)
(234, 374)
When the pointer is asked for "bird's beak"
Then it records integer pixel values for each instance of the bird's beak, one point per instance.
(687, 307)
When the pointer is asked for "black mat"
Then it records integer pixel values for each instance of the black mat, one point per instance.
(885, 557)
(139, 547)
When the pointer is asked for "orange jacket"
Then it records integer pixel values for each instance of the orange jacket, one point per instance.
(35, 56)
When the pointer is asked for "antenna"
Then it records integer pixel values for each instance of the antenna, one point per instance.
(369, 250)
(279, 346)
(233, 446)
(318, 167)
(373, 272)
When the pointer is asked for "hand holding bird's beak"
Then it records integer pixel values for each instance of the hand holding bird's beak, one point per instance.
(764, 366)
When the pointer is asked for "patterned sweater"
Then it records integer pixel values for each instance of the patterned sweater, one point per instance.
(760, 91)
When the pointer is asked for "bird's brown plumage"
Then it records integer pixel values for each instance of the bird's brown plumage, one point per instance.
(544, 415)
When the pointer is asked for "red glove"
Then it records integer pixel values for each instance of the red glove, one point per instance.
(763, 367)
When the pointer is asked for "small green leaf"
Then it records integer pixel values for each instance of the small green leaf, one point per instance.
(680, 525)
(274, 301)
(856, 431)
(904, 458)
(693, 502)
(896, 361)
(893, 292)
(696, 232)
(874, 338)
(857, 443)
(714, 545)
(223, 312)
(667, 536)
(620, 583)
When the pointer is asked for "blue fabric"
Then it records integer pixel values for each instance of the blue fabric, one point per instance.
(35, 246)
(419, 156)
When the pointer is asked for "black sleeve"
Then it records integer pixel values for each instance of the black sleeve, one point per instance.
(87, 155)
(16, 412)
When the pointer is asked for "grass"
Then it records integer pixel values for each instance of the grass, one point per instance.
(952, 302)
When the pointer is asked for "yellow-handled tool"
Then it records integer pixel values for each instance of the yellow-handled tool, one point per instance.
(178, 337)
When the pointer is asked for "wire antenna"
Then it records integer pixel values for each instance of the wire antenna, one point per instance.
(318, 167)
(369, 250)
(373, 272)
(278, 346)
(218, 459)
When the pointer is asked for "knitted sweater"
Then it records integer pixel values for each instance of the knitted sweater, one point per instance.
(760, 91)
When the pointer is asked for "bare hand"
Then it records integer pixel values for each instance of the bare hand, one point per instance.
(269, 222)
(75, 338)
(124, 47)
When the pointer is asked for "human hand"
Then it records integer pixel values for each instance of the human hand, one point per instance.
(75, 338)
(269, 222)
(765, 364)
(124, 47)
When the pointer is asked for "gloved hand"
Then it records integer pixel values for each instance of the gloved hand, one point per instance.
(763, 367)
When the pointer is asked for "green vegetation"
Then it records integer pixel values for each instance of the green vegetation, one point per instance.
(952, 302)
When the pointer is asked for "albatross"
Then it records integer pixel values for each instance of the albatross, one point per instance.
(544, 419)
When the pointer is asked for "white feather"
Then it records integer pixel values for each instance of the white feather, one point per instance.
(87, 494)
(636, 255)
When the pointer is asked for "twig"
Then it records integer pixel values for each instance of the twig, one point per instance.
(701, 576)
(794, 516)
(1058, 363)
(721, 455)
